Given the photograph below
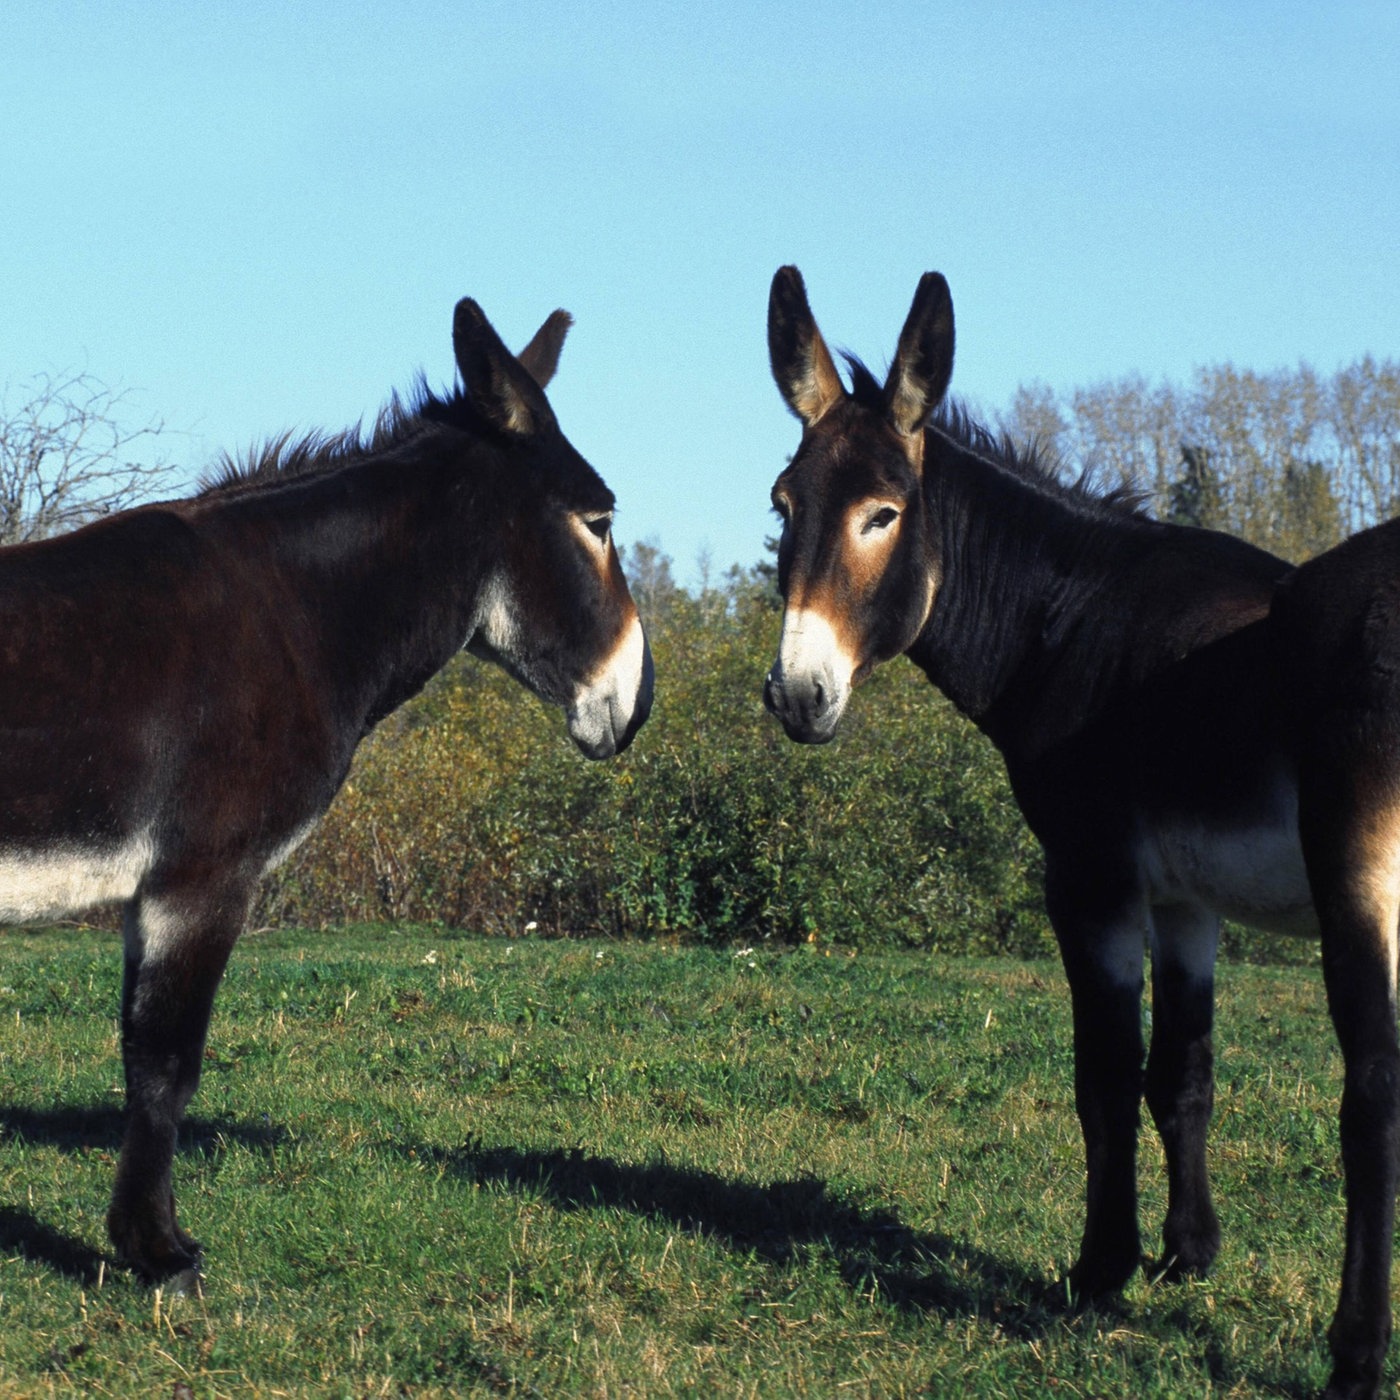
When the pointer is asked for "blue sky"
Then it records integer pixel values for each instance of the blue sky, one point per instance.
(258, 217)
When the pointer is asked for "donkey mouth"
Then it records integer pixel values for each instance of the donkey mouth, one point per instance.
(807, 712)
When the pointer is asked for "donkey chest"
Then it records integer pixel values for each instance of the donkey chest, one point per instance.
(1247, 865)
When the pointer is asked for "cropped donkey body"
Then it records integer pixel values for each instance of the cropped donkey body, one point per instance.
(1192, 728)
(183, 686)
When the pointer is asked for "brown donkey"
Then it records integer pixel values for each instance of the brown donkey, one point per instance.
(182, 686)
(1191, 727)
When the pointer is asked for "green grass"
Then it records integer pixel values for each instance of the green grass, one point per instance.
(426, 1164)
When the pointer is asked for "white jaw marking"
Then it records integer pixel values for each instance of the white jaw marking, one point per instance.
(68, 878)
(495, 616)
(603, 705)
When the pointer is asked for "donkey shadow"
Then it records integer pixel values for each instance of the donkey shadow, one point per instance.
(96, 1129)
(916, 1271)
(926, 1273)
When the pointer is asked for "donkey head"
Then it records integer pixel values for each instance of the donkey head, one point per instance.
(555, 610)
(855, 571)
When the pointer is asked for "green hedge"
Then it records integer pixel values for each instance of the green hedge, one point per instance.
(470, 807)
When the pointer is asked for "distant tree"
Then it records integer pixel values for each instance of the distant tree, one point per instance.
(1195, 497)
(1363, 414)
(1126, 433)
(1293, 460)
(649, 577)
(67, 455)
(1036, 418)
(1310, 513)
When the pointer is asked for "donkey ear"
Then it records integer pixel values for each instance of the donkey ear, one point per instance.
(802, 364)
(923, 363)
(496, 382)
(540, 357)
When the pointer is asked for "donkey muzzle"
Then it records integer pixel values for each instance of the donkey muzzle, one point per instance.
(606, 714)
(806, 704)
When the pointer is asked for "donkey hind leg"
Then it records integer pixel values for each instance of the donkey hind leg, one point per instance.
(177, 946)
(1354, 869)
(1180, 1081)
(1103, 959)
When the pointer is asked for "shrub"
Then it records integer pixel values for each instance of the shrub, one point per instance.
(470, 808)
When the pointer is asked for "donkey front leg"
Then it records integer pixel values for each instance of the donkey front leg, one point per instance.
(1102, 950)
(177, 946)
(1180, 1079)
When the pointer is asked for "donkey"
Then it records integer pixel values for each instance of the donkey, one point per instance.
(1191, 727)
(183, 685)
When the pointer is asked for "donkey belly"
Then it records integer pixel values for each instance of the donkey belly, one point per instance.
(67, 877)
(1248, 870)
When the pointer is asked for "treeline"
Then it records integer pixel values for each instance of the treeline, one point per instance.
(470, 807)
(1292, 460)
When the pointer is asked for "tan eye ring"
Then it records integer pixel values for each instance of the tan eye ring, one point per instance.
(599, 526)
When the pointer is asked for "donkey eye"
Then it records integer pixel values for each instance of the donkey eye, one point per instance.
(599, 525)
(882, 519)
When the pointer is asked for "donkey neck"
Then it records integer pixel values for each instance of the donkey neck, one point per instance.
(1053, 603)
(380, 576)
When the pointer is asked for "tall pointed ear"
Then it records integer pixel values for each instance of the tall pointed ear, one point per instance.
(540, 357)
(496, 382)
(923, 363)
(802, 364)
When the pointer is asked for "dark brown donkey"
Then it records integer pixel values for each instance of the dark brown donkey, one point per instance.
(1191, 727)
(182, 686)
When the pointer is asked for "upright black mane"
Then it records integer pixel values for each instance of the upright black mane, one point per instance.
(289, 457)
(1030, 462)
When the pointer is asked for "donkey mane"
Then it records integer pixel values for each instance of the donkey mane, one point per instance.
(1033, 463)
(288, 457)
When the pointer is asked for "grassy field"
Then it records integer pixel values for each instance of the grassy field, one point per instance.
(424, 1164)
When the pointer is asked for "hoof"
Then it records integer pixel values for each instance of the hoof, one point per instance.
(1187, 1258)
(175, 1273)
(172, 1261)
(1351, 1388)
(1355, 1376)
(1188, 1253)
(1093, 1279)
(188, 1283)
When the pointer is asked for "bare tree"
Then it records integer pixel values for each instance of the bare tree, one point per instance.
(1290, 459)
(649, 578)
(68, 453)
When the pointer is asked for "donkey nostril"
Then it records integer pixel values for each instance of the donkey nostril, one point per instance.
(819, 697)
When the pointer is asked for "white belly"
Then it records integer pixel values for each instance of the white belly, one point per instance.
(69, 878)
(1250, 872)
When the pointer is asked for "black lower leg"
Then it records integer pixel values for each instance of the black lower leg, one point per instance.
(166, 1003)
(1180, 1094)
(1108, 1086)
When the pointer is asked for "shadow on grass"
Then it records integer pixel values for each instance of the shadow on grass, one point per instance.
(873, 1249)
(97, 1129)
(23, 1234)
